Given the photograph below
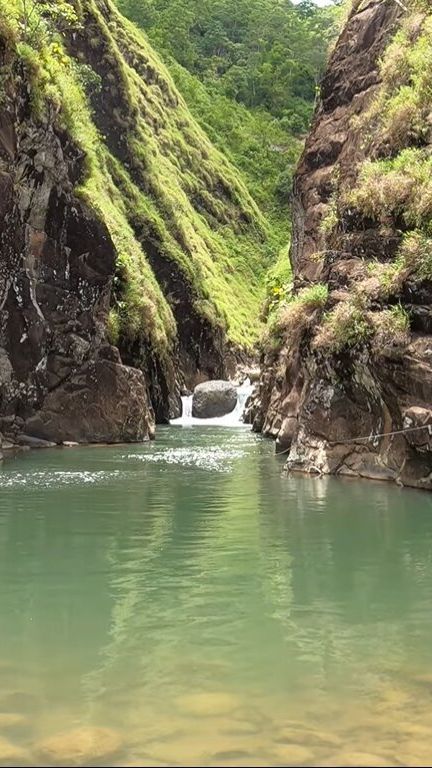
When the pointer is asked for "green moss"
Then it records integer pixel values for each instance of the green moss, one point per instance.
(168, 192)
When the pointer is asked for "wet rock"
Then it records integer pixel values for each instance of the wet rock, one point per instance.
(35, 442)
(253, 374)
(80, 746)
(7, 445)
(208, 704)
(213, 398)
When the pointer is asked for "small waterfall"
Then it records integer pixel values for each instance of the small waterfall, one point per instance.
(233, 419)
(244, 391)
(186, 416)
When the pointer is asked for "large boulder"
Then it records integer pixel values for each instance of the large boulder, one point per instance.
(104, 402)
(213, 398)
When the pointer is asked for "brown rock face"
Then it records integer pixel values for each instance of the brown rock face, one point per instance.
(328, 410)
(104, 399)
(59, 379)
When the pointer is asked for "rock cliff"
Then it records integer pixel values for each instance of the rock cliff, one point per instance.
(122, 231)
(349, 361)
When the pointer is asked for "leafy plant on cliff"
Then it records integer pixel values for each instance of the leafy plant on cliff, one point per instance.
(295, 315)
(390, 328)
(278, 284)
(343, 327)
(397, 188)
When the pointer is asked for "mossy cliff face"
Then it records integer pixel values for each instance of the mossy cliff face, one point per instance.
(131, 254)
(350, 354)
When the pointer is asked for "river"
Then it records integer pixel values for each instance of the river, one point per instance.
(209, 610)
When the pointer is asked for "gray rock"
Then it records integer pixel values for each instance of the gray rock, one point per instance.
(35, 442)
(7, 445)
(213, 398)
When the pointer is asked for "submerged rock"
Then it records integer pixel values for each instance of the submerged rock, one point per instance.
(213, 398)
(208, 704)
(293, 754)
(80, 746)
(357, 760)
(11, 720)
(11, 755)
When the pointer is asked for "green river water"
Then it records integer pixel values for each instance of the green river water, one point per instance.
(183, 603)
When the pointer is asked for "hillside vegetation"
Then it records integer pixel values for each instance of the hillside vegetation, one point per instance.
(249, 72)
(179, 213)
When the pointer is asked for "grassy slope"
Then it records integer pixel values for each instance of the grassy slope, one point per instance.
(177, 188)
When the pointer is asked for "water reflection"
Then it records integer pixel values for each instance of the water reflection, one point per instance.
(209, 610)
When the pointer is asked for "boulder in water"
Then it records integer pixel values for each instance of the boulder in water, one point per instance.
(208, 704)
(11, 720)
(11, 755)
(80, 746)
(213, 398)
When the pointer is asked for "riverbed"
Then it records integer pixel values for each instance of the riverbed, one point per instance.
(200, 608)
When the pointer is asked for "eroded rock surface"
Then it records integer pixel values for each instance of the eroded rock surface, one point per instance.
(59, 377)
(332, 412)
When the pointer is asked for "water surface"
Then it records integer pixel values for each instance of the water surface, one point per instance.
(211, 611)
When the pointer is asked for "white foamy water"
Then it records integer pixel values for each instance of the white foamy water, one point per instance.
(233, 419)
(47, 479)
(213, 458)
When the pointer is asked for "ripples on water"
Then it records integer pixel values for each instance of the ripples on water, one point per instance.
(181, 603)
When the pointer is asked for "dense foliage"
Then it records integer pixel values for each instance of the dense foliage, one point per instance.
(249, 71)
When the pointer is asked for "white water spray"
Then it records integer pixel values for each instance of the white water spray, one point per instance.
(233, 419)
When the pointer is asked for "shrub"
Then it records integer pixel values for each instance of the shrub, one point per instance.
(391, 327)
(278, 283)
(300, 309)
(415, 255)
(296, 315)
(344, 326)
